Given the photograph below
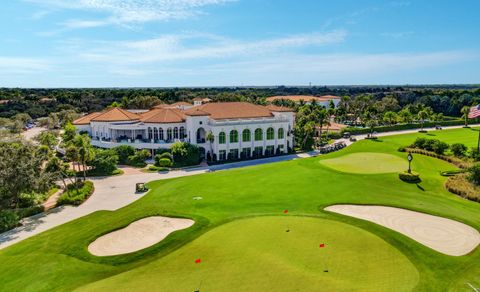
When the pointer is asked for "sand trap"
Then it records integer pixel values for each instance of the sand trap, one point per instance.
(443, 235)
(138, 235)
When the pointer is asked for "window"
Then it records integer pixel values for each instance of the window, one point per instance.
(150, 134)
(246, 152)
(222, 154)
(175, 133)
(270, 134)
(258, 151)
(269, 150)
(160, 134)
(233, 154)
(182, 132)
(222, 138)
(281, 133)
(234, 136)
(155, 134)
(258, 134)
(246, 135)
(169, 134)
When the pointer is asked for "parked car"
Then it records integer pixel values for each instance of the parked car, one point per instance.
(438, 127)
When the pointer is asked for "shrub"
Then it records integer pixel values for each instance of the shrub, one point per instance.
(458, 149)
(164, 162)
(123, 153)
(401, 149)
(30, 211)
(138, 159)
(461, 186)
(8, 220)
(419, 143)
(104, 163)
(475, 154)
(156, 168)
(412, 177)
(165, 155)
(73, 197)
(439, 147)
(185, 154)
(474, 174)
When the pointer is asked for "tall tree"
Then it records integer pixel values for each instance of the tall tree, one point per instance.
(465, 111)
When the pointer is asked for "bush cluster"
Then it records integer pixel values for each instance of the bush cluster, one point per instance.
(127, 155)
(412, 177)
(185, 154)
(434, 145)
(461, 186)
(104, 163)
(75, 197)
(451, 159)
(164, 160)
(8, 219)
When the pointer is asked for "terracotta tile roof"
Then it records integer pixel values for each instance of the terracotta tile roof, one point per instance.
(85, 120)
(230, 110)
(116, 115)
(163, 116)
(306, 98)
(180, 103)
(275, 108)
(162, 105)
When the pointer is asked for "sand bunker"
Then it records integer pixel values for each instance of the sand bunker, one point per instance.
(443, 235)
(138, 235)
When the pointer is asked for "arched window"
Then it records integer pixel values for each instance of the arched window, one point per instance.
(270, 134)
(182, 132)
(175, 133)
(246, 135)
(160, 134)
(155, 134)
(222, 138)
(169, 134)
(150, 133)
(233, 136)
(258, 134)
(281, 133)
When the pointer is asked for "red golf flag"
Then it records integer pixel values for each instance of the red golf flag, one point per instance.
(197, 261)
(322, 245)
(286, 211)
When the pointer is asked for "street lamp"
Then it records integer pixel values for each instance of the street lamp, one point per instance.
(410, 158)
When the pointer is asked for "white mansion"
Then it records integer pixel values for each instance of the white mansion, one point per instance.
(240, 130)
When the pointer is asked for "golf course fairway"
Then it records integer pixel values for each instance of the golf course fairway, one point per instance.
(366, 162)
(258, 254)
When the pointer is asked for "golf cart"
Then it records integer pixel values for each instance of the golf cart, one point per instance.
(141, 188)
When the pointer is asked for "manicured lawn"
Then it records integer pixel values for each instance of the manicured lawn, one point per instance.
(257, 254)
(58, 259)
(367, 163)
(467, 136)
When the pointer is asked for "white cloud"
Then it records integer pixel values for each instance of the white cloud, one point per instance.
(170, 48)
(19, 65)
(125, 12)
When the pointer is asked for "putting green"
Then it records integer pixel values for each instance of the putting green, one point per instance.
(367, 163)
(257, 254)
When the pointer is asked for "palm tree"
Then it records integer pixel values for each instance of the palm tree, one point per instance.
(390, 117)
(422, 116)
(85, 152)
(321, 119)
(210, 138)
(465, 111)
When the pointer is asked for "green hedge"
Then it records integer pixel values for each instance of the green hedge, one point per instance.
(73, 197)
(412, 177)
(400, 127)
(8, 219)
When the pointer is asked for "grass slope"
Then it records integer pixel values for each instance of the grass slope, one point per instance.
(58, 259)
(366, 163)
(259, 255)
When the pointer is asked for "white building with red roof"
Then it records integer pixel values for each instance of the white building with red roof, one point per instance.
(240, 130)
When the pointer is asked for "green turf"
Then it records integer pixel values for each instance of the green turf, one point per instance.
(259, 255)
(467, 136)
(58, 259)
(367, 163)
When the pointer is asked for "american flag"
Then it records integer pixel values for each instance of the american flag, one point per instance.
(474, 112)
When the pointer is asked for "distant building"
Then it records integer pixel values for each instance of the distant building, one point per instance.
(307, 99)
(241, 130)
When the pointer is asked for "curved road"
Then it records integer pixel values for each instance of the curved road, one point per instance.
(112, 193)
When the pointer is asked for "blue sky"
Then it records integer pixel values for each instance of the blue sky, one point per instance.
(143, 43)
